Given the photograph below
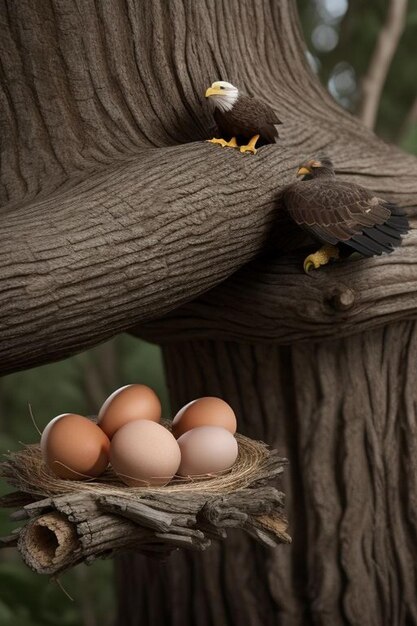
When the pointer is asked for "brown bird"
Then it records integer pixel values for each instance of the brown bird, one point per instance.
(343, 216)
(241, 119)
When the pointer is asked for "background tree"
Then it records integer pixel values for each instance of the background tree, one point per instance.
(76, 389)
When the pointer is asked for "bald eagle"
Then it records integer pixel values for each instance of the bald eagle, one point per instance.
(346, 217)
(240, 118)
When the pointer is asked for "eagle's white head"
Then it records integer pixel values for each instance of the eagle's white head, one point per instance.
(222, 95)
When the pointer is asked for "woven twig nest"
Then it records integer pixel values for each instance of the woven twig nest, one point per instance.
(68, 522)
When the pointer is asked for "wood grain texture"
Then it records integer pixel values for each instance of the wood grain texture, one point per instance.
(268, 300)
(114, 212)
(343, 411)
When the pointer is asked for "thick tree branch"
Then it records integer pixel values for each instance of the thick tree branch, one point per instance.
(126, 248)
(387, 43)
(269, 301)
(107, 225)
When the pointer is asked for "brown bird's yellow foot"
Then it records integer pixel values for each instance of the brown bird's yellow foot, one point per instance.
(321, 257)
(250, 147)
(225, 144)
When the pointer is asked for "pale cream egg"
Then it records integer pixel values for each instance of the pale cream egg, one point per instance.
(206, 450)
(144, 453)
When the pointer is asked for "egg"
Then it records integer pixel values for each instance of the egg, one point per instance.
(44, 436)
(144, 453)
(74, 447)
(206, 450)
(129, 403)
(208, 411)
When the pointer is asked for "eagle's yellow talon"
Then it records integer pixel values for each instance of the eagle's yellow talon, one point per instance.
(232, 143)
(250, 147)
(221, 142)
(319, 258)
(225, 144)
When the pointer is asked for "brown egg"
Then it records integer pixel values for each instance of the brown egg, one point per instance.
(144, 453)
(44, 436)
(208, 411)
(74, 447)
(206, 450)
(127, 404)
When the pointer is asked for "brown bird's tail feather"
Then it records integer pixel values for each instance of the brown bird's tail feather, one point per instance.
(381, 237)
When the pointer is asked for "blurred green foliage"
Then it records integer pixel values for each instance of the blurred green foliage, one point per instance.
(356, 25)
(81, 384)
(27, 599)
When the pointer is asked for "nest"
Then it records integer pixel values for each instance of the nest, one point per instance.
(69, 522)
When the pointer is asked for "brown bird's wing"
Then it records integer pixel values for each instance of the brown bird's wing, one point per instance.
(249, 117)
(338, 212)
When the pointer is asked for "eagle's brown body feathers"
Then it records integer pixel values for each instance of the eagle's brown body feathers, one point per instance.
(248, 117)
(337, 212)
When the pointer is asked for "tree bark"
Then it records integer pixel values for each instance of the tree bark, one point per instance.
(268, 301)
(115, 214)
(114, 211)
(342, 411)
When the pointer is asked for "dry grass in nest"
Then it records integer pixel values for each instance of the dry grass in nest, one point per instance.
(26, 471)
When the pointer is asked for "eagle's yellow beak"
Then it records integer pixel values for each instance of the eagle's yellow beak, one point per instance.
(213, 91)
(303, 170)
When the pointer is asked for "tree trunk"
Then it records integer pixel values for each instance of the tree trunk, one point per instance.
(115, 213)
(343, 413)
